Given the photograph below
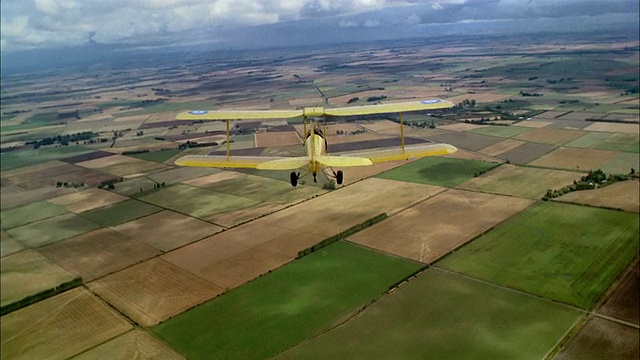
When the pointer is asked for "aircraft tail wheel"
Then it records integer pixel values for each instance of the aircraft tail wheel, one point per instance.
(339, 177)
(294, 179)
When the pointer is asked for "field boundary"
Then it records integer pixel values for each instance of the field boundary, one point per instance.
(32, 299)
(352, 230)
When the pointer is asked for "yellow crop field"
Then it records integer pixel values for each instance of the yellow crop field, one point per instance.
(60, 327)
(622, 195)
(434, 227)
(88, 199)
(153, 291)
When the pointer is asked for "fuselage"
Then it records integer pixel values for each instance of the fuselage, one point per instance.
(315, 145)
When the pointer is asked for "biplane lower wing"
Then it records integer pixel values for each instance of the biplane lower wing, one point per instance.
(410, 152)
(221, 161)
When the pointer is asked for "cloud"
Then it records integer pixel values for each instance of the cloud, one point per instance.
(50, 23)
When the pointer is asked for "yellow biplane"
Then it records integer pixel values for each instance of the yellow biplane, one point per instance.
(316, 158)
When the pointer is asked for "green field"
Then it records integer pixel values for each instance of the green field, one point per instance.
(195, 201)
(445, 316)
(51, 230)
(285, 307)
(500, 131)
(563, 252)
(17, 159)
(438, 171)
(607, 141)
(157, 156)
(622, 164)
(121, 212)
(29, 213)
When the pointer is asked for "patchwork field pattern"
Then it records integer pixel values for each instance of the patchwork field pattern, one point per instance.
(602, 339)
(556, 137)
(167, 230)
(501, 147)
(86, 200)
(567, 253)
(29, 273)
(575, 159)
(30, 213)
(121, 212)
(153, 291)
(438, 171)
(97, 253)
(51, 230)
(621, 195)
(526, 182)
(60, 327)
(393, 328)
(135, 344)
(287, 306)
(624, 301)
(433, 228)
(197, 202)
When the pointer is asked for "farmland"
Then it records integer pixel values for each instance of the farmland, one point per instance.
(445, 301)
(578, 275)
(526, 182)
(452, 218)
(285, 307)
(447, 172)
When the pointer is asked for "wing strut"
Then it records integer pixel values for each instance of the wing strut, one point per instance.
(401, 133)
(228, 145)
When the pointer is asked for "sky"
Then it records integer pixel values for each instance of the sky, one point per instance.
(49, 24)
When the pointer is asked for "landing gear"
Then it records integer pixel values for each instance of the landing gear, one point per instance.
(293, 177)
(339, 177)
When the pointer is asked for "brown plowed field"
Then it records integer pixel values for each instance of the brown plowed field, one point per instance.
(624, 302)
(434, 227)
(550, 136)
(268, 139)
(602, 339)
(613, 127)
(107, 161)
(167, 230)
(527, 182)
(534, 123)
(236, 256)
(153, 291)
(135, 344)
(88, 199)
(461, 127)
(97, 253)
(28, 273)
(622, 195)
(60, 327)
(501, 147)
(575, 159)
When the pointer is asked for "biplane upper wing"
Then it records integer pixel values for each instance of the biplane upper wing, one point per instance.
(399, 107)
(410, 152)
(238, 114)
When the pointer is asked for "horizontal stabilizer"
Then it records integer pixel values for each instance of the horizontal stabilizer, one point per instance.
(221, 161)
(342, 161)
(285, 163)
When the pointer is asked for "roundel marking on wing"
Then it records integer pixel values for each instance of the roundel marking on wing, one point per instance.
(434, 101)
(198, 112)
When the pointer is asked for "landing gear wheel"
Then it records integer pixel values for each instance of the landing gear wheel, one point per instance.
(339, 177)
(293, 177)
